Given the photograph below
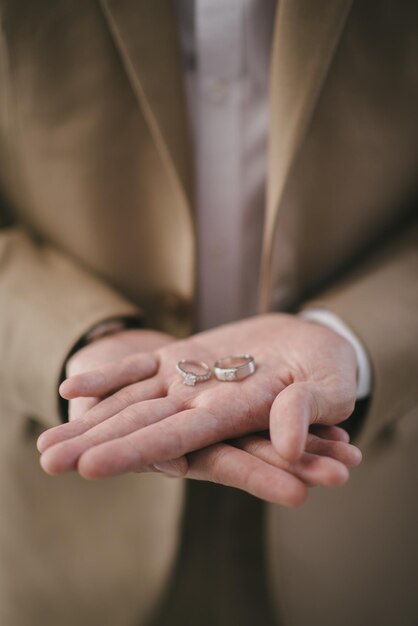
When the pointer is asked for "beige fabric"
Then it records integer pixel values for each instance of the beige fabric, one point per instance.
(96, 221)
(350, 556)
(74, 552)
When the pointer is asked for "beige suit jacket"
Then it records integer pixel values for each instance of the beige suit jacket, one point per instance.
(97, 221)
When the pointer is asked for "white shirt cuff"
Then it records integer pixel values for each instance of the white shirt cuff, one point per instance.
(332, 321)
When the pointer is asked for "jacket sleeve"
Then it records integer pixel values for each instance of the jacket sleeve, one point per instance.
(379, 302)
(47, 302)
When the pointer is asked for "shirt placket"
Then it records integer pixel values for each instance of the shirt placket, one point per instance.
(219, 54)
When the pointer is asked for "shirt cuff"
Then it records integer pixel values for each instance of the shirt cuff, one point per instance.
(332, 321)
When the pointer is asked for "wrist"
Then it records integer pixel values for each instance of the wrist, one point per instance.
(335, 323)
(105, 328)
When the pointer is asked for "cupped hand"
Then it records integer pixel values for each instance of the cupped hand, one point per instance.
(306, 374)
(105, 350)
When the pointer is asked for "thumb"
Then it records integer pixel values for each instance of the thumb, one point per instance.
(301, 404)
(290, 416)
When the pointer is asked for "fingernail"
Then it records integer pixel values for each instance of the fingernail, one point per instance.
(359, 456)
(169, 467)
(39, 445)
(61, 389)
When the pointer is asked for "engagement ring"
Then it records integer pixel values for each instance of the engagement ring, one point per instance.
(190, 376)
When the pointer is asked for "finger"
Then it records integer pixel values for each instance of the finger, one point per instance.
(63, 456)
(302, 404)
(333, 433)
(347, 454)
(110, 377)
(344, 452)
(145, 390)
(290, 416)
(226, 465)
(312, 469)
(168, 439)
(177, 468)
(132, 394)
(79, 406)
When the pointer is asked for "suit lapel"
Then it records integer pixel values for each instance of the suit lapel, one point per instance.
(145, 35)
(305, 39)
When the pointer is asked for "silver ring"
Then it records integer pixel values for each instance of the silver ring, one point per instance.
(232, 368)
(189, 376)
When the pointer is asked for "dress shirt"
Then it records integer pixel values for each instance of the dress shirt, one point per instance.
(226, 46)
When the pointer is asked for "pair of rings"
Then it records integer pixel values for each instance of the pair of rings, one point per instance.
(229, 368)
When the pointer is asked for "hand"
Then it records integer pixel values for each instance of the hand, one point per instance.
(305, 374)
(105, 350)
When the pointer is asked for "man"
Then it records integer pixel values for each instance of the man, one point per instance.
(342, 141)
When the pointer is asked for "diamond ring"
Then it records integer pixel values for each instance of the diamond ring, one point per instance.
(191, 376)
(232, 368)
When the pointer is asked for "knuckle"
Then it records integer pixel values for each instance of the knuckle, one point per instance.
(217, 458)
(255, 447)
(126, 395)
(129, 415)
(178, 467)
(171, 443)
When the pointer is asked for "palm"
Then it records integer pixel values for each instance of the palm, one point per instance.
(289, 354)
(151, 417)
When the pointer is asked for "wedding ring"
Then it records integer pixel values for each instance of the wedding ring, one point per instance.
(232, 368)
(191, 377)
